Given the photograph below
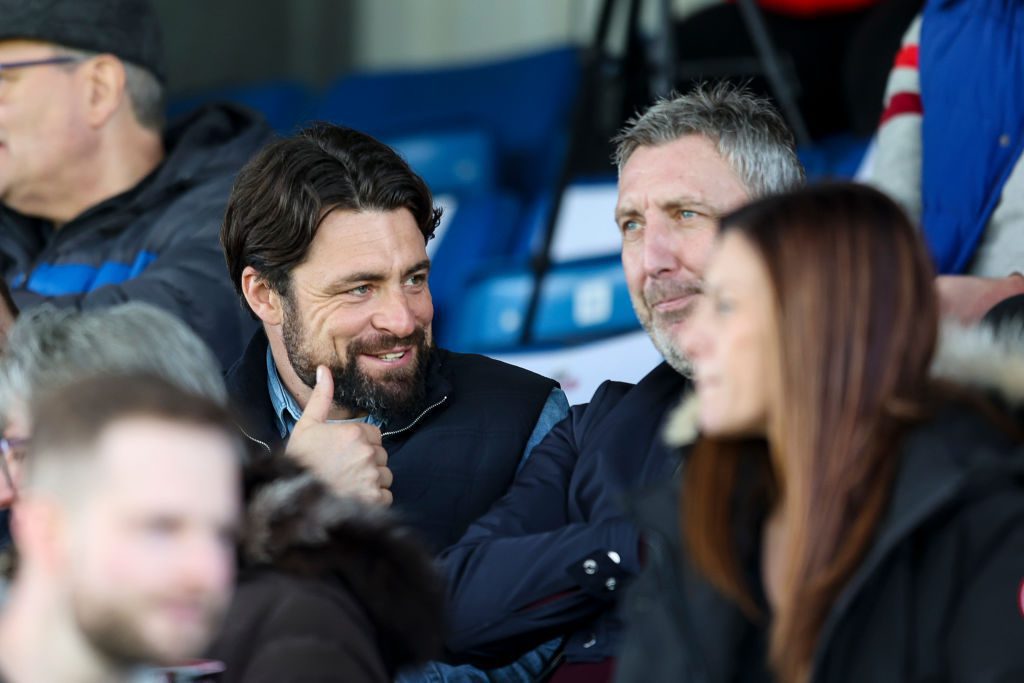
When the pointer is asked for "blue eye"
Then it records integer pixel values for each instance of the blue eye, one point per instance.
(686, 214)
(416, 280)
(630, 229)
(361, 290)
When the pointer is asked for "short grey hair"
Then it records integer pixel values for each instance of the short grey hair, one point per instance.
(749, 133)
(49, 347)
(145, 92)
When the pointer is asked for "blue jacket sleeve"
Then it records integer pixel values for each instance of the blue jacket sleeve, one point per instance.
(509, 574)
(187, 278)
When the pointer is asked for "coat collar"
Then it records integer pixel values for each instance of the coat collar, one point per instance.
(247, 386)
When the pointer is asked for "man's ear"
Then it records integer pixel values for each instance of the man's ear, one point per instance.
(103, 88)
(39, 531)
(264, 301)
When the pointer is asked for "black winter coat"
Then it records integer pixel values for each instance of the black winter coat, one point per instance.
(537, 565)
(939, 596)
(331, 590)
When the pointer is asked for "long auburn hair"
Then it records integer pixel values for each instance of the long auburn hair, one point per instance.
(857, 322)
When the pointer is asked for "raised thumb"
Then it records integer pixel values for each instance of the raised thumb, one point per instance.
(318, 406)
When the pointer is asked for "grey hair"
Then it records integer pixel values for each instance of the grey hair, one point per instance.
(748, 132)
(48, 347)
(145, 92)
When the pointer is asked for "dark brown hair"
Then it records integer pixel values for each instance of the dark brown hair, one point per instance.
(283, 194)
(857, 320)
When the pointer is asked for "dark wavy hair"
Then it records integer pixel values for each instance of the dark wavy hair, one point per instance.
(283, 194)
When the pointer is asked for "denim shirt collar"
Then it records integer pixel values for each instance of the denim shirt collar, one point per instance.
(286, 409)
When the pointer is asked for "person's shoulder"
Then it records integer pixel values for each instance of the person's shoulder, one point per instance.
(610, 392)
(962, 468)
(301, 604)
(659, 380)
(282, 625)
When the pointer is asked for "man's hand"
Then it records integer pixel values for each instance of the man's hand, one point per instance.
(348, 457)
(967, 298)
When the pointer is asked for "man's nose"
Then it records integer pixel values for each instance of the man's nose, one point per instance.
(209, 565)
(660, 247)
(394, 314)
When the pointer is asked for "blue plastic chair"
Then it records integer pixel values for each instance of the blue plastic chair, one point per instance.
(460, 162)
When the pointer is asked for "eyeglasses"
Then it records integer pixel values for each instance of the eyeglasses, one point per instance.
(11, 451)
(65, 59)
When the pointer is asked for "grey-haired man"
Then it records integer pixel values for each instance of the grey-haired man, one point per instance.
(552, 556)
(99, 204)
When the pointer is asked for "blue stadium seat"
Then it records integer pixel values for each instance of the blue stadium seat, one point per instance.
(834, 158)
(583, 300)
(579, 301)
(583, 295)
(491, 315)
(523, 103)
(460, 162)
(470, 235)
(285, 104)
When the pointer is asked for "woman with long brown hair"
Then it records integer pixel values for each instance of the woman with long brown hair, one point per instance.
(844, 515)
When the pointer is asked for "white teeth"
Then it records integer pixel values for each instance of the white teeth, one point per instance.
(391, 356)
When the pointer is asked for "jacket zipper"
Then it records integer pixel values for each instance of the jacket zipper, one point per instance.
(254, 439)
(413, 423)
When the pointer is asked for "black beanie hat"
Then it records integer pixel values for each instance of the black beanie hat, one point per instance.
(126, 28)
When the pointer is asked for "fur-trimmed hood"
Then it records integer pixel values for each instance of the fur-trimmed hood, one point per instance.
(297, 526)
(983, 357)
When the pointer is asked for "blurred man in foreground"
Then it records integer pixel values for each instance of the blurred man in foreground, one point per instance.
(125, 525)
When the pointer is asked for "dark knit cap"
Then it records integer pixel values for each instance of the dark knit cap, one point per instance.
(126, 28)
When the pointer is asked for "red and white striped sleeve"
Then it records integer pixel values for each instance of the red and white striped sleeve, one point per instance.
(897, 163)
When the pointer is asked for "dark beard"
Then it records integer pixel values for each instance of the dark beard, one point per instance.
(394, 397)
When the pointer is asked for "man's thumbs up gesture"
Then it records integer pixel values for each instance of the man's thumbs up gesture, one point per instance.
(348, 456)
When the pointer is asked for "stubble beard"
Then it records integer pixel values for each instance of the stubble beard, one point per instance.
(115, 632)
(658, 325)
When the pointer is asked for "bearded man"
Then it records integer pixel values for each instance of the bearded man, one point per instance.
(325, 239)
